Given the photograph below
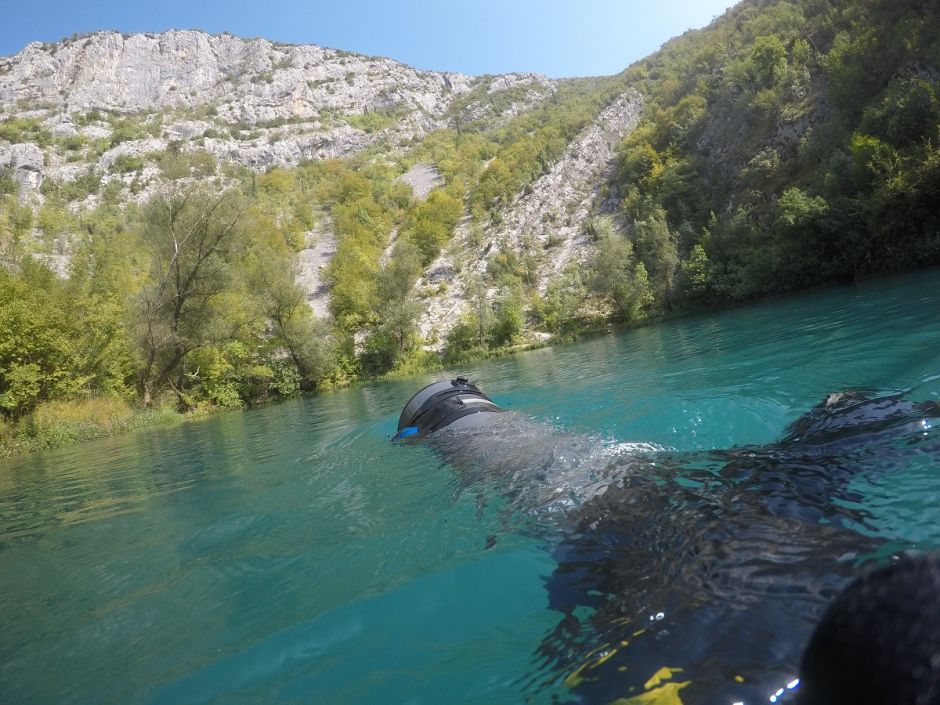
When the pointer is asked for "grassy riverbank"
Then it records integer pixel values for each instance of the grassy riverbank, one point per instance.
(60, 423)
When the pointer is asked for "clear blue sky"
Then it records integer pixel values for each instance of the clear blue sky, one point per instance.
(555, 37)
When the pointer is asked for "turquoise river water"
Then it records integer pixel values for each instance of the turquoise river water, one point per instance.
(291, 554)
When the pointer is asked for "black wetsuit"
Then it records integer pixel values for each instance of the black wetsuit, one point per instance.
(721, 565)
(698, 576)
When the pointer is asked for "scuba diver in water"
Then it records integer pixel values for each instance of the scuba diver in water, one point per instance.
(699, 578)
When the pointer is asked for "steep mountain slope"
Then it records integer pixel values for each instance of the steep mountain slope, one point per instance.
(387, 217)
(254, 80)
(110, 106)
(346, 177)
(790, 144)
(545, 221)
(250, 102)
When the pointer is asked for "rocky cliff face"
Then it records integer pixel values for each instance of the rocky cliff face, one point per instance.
(253, 80)
(251, 102)
(105, 104)
(548, 218)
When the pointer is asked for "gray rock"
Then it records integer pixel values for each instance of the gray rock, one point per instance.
(65, 172)
(252, 80)
(187, 130)
(95, 132)
(311, 263)
(26, 162)
(513, 80)
(63, 128)
(133, 148)
(423, 178)
(551, 211)
(297, 96)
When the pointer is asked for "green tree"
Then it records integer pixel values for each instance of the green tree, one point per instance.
(908, 111)
(463, 340)
(696, 271)
(872, 159)
(430, 224)
(307, 342)
(768, 60)
(619, 278)
(657, 249)
(559, 310)
(16, 221)
(192, 237)
(799, 209)
(395, 333)
(177, 164)
(57, 343)
(508, 319)
(496, 188)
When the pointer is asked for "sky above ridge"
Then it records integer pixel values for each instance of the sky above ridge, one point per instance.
(555, 37)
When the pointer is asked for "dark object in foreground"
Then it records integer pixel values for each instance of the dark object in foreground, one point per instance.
(443, 405)
(879, 641)
(704, 573)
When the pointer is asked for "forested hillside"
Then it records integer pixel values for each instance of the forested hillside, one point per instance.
(790, 144)
(160, 251)
(144, 271)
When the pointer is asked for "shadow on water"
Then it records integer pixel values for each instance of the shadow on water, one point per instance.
(292, 554)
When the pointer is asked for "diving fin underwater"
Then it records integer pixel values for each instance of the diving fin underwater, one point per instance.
(714, 576)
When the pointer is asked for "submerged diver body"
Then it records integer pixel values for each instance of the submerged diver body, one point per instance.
(680, 578)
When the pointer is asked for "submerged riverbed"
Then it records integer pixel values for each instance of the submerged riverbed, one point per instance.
(291, 554)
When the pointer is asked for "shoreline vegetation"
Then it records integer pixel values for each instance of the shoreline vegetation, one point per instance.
(790, 145)
(62, 423)
(57, 424)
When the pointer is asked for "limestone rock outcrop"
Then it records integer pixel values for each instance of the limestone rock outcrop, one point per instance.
(549, 217)
(26, 161)
(107, 107)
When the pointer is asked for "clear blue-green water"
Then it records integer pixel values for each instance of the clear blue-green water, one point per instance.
(292, 554)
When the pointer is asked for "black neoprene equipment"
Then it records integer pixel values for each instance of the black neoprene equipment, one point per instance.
(440, 404)
(879, 640)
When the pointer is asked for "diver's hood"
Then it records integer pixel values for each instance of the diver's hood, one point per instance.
(441, 405)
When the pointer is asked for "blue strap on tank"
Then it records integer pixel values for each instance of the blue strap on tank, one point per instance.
(408, 431)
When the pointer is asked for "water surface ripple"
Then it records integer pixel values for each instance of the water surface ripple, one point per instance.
(291, 554)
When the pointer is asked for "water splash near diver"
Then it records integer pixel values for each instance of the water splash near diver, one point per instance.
(714, 565)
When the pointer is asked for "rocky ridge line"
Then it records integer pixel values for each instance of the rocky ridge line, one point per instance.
(250, 101)
(551, 215)
(263, 104)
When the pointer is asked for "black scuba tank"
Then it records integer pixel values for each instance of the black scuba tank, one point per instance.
(440, 405)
